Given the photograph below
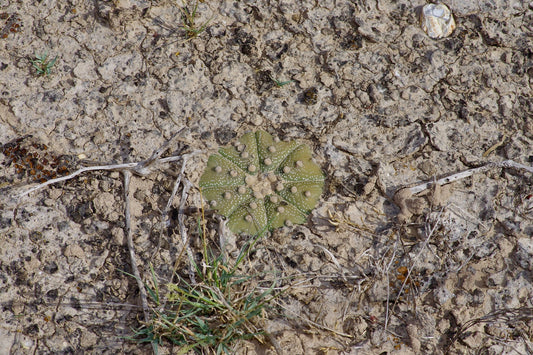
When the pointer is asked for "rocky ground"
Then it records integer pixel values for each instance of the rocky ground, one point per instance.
(381, 104)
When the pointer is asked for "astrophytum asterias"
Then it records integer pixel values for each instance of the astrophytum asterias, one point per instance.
(261, 183)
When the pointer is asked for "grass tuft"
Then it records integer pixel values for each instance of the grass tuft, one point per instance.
(211, 315)
(188, 17)
(42, 64)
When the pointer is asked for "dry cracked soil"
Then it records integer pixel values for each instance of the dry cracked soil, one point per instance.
(382, 106)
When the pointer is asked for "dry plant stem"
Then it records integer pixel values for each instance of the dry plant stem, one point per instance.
(139, 168)
(334, 260)
(415, 259)
(410, 270)
(165, 222)
(388, 283)
(131, 248)
(464, 174)
(274, 343)
(222, 237)
(76, 173)
(183, 230)
(143, 168)
(495, 146)
(164, 214)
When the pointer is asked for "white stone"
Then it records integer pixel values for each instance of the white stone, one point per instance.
(437, 20)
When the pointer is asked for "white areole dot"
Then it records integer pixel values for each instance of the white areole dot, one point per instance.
(299, 163)
(241, 190)
(279, 187)
(294, 189)
(227, 195)
(274, 199)
(268, 161)
(213, 203)
(286, 169)
(281, 209)
(253, 205)
(307, 194)
(272, 149)
(288, 223)
(233, 173)
(252, 168)
(218, 168)
(245, 155)
(248, 218)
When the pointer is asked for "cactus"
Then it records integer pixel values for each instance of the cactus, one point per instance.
(261, 183)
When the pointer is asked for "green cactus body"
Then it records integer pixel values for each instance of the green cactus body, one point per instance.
(261, 183)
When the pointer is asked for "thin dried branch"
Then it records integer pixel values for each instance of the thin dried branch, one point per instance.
(131, 248)
(404, 197)
(183, 230)
(165, 218)
(142, 168)
(464, 174)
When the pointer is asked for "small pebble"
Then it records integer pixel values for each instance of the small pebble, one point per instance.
(437, 20)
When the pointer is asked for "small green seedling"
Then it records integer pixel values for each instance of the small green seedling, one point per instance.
(42, 64)
(189, 18)
(280, 83)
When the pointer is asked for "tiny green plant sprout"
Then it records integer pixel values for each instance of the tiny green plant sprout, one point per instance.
(261, 183)
(189, 20)
(280, 83)
(42, 64)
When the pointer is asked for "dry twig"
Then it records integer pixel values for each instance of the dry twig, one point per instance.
(131, 248)
(404, 197)
(464, 174)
